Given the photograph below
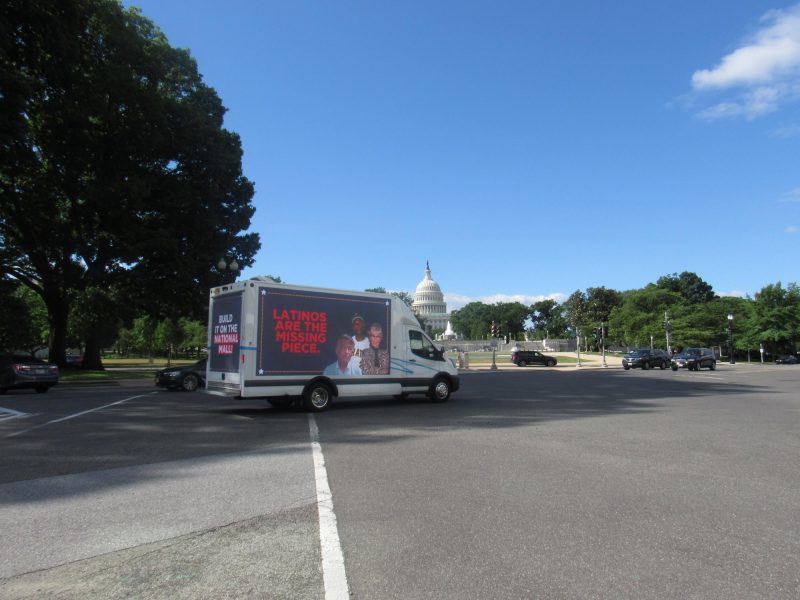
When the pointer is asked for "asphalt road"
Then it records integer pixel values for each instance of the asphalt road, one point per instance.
(530, 483)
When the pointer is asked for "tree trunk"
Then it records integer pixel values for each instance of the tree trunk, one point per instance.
(58, 310)
(91, 355)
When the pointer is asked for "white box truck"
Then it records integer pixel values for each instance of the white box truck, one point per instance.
(290, 343)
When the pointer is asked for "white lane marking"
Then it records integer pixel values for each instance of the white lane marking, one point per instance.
(333, 573)
(68, 417)
(9, 413)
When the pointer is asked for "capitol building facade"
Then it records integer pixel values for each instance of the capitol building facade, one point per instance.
(430, 305)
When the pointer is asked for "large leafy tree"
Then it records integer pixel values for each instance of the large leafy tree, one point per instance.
(115, 169)
(473, 320)
(689, 285)
(640, 317)
(601, 301)
(547, 317)
(23, 326)
(776, 316)
(512, 316)
(576, 311)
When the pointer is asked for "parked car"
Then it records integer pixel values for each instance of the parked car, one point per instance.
(786, 359)
(645, 358)
(74, 360)
(694, 359)
(523, 358)
(24, 371)
(187, 377)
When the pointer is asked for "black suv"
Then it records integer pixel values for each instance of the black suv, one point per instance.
(694, 359)
(522, 358)
(646, 358)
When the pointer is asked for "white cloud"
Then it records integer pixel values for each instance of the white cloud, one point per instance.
(767, 67)
(456, 301)
(786, 131)
(774, 51)
(735, 293)
(791, 196)
(792, 229)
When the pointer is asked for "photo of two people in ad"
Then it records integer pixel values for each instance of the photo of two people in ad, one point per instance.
(360, 353)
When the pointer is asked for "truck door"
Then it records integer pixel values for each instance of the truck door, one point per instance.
(423, 348)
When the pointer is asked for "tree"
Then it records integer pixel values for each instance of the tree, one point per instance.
(169, 335)
(195, 335)
(640, 316)
(22, 326)
(548, 319)
(576, 311)
(689, 285)
(473, 320)
(776, 316)
(96, 316)
(600, 302)
(511, 316)
(116, 170)
(407, 298)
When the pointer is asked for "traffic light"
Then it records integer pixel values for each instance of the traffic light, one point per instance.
(604, 332)
(494, 329)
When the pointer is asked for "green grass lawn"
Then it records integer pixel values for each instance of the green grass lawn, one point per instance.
(120, 368)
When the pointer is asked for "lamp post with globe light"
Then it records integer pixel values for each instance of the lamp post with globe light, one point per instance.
(730, 338)
(232, 266)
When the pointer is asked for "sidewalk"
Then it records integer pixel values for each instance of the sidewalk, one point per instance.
(588, 361)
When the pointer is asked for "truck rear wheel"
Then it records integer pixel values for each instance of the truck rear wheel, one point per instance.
(439, 390)
(317, 397)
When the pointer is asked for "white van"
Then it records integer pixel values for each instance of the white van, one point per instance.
(289, 343)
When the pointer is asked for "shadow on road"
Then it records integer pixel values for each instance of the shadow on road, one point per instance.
(181, 426)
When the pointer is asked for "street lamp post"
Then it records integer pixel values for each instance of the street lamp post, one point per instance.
(730, 338)
(233, 266)
(603, 343)
(668, 329)
(578, 346)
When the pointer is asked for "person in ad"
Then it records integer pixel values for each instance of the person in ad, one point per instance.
(360, 340)
(375, 361)
(344, 353)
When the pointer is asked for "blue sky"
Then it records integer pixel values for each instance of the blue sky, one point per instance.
(526, 149)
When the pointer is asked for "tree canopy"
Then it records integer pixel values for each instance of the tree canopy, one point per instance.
(118, 181)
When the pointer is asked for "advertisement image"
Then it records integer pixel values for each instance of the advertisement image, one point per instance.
(308, 333)
(226, 319)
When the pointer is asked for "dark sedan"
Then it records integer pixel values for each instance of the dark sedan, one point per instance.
(787, 359)
(23, 371)
(187, 377)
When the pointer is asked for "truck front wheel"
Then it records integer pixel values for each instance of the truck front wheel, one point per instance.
(317, 397)
(439, 390)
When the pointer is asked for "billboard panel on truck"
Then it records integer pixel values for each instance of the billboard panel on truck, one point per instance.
(310, 333)
(226, 323)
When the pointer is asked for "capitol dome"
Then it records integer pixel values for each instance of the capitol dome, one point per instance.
(429, 302)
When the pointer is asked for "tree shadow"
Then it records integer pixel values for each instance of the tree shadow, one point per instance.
(175, 427)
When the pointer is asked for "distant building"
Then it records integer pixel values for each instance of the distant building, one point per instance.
(429, 303)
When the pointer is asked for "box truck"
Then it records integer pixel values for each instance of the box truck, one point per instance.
(297, 344)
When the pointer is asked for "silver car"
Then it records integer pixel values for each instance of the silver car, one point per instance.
(23, 371)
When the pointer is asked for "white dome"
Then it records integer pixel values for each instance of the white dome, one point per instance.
(428, 285)
(429, 301)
